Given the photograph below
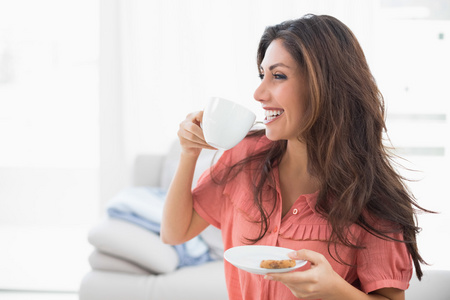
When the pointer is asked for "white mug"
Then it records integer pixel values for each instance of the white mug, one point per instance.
(226, 123)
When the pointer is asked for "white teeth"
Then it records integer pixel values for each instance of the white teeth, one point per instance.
(272, 114)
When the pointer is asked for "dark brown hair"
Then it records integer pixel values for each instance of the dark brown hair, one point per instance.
(343, 129)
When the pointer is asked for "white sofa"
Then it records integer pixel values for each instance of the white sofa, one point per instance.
(130, 262)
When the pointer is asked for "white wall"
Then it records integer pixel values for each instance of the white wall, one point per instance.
(49, 132)
(112, 174)
(48, 110)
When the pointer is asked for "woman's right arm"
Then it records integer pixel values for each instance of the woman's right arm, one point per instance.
(180, 222)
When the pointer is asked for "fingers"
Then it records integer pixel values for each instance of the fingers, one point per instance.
(195, 117)
(317, 282)
(191, 131)
(286, 277)
(313, 257)
(191, 134)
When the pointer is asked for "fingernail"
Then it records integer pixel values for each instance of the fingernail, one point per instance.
(268, 277)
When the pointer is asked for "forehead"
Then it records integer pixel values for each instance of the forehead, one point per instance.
(276, 53)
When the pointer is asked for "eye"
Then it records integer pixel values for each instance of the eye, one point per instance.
(279, 76)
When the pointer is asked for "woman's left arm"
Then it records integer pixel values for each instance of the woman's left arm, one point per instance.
(322, 282)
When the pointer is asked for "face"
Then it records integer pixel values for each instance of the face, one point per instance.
(282, 93)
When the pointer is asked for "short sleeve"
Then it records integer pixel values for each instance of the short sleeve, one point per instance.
(384, 263)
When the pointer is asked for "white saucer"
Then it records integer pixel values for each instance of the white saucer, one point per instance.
(248, 258)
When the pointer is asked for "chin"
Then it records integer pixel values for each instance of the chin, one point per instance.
(273, 136)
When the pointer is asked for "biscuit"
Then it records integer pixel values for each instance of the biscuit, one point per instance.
(277, 264)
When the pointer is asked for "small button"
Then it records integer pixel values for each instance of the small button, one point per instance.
(295, 211)
(275, 229)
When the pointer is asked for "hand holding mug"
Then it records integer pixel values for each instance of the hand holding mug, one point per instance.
(191, 136)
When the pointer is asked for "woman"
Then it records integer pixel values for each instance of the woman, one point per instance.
(317, 179)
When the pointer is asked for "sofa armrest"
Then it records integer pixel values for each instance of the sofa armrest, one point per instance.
(148, 169)
(157, 170)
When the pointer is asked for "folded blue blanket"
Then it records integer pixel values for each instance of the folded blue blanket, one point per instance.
(143, 206)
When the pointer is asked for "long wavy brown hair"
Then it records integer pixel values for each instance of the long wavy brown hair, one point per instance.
(343, 129)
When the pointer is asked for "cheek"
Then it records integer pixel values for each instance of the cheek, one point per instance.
(302, 102)
(297, 109)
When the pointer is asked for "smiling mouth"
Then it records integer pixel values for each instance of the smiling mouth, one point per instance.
(272, 115)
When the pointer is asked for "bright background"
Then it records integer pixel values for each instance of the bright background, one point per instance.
(87, 85)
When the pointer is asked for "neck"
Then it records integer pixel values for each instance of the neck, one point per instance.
(295, 179)
(294, 168)
(295, 159)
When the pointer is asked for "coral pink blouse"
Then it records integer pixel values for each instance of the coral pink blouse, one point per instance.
(230, 208)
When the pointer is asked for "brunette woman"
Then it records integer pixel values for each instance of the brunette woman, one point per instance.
(318, 179)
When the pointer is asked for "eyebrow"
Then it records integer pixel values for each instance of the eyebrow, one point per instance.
(276, 65)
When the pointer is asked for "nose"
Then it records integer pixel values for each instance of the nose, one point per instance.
(261, 93)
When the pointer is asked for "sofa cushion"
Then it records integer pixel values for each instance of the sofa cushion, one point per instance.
(135, 244)
(203, 282)
(105, 262)
(102, 285)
